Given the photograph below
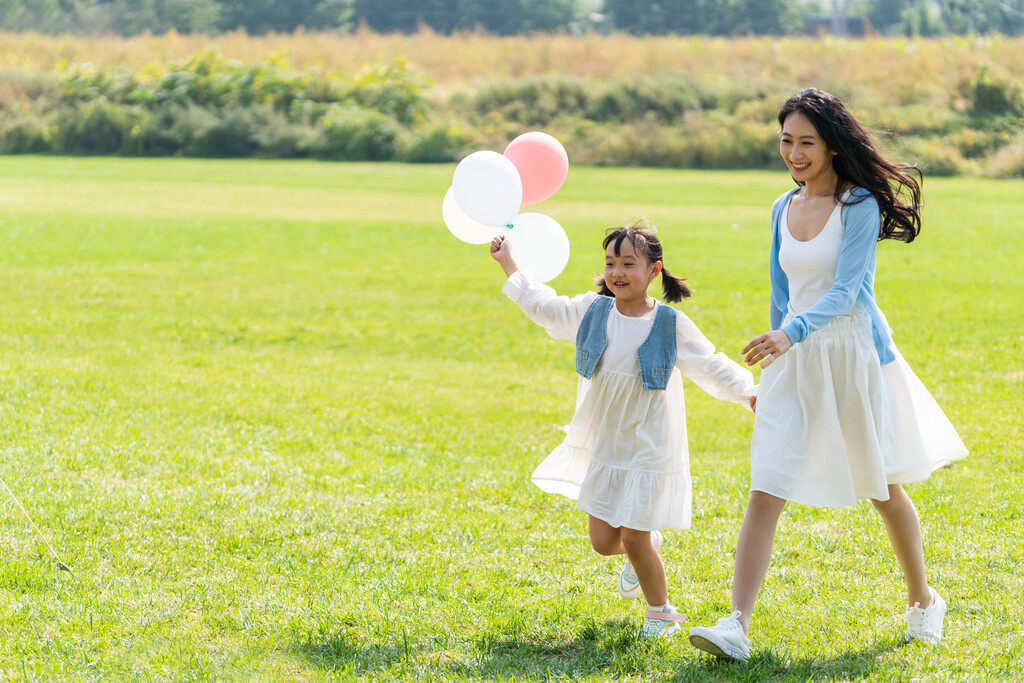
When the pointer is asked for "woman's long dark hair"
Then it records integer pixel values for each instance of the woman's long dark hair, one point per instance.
(647, 245)
(858, 164)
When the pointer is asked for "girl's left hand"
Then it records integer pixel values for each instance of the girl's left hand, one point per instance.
(766, 348)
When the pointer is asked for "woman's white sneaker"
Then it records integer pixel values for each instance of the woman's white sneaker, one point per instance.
(629, 584)
(925, 624)
(725, 639)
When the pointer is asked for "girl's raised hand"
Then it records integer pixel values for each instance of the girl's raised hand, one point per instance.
(499, 247)
(501, 251)
(765, 348)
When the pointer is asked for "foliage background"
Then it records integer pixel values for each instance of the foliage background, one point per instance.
(511, 17)
(951, 105)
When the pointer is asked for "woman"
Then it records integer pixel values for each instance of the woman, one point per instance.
(839, 414)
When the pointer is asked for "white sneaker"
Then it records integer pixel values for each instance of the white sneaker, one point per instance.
(926, 624)
(629, 584)
(725, 639)
(661, 622)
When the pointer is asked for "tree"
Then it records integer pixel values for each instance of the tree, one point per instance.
(283, 16)
(444, 16)
(709, 17)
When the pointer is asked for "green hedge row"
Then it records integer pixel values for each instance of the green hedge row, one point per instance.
(210, 106)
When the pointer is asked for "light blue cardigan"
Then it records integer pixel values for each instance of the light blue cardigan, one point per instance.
(855, 276)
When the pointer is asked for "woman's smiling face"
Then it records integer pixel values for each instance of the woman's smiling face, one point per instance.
(803, 150)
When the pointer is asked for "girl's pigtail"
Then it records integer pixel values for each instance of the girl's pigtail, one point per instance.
(602, 286)
(675, 288)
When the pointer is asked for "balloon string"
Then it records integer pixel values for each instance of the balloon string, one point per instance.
(60, 565)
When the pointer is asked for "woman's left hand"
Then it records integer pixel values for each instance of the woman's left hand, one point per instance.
(765, 348)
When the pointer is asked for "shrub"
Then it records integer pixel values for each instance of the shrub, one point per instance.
(1008, 162)
(231, 132)
(354, 134)
(663, 99)
(95, 127)
(531, 101)
(936, 157)
(434, 143)
(26, 134)
(989, 94)
(156, 133)
(392, 89)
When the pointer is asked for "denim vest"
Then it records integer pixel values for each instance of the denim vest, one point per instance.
(657, 355)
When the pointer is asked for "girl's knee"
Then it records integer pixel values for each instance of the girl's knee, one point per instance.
(633, 540)
(605, 543)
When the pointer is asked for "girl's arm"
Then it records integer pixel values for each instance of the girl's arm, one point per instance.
(501, 251)
(560, 316)
(715, 373)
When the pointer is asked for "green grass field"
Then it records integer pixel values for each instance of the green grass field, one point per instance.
(280, 423)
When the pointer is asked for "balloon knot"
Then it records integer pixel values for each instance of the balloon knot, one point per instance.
(508, 226)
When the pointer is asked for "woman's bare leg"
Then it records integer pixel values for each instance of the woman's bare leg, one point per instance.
(754, 551)
(904, 528)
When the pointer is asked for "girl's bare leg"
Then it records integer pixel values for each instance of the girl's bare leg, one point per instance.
(636, 545)
(754, 551)
(904, 528)
(604, 538)
(647, 564)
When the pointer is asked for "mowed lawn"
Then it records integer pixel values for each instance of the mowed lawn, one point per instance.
(280, 423)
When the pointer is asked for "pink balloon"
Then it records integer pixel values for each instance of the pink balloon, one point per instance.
(542, 164)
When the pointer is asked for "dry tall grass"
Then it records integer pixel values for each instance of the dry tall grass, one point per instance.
(914, 69)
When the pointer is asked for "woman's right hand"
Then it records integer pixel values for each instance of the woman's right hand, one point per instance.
(765, 348)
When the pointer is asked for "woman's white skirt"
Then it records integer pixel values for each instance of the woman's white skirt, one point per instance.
(833, 425)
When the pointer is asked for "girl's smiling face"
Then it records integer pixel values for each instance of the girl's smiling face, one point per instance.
(803, 150)
(628, 274)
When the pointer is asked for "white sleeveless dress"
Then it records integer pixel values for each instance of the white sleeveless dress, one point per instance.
(833, 425)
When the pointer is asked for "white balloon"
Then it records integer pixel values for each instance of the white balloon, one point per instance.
(488, 188)
(539, 245)
(462, 226)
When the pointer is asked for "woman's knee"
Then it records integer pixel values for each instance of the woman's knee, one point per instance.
(897, 499)
(765, 505)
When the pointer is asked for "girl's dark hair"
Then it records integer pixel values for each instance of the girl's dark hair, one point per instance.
(858, 164)
(647, 245)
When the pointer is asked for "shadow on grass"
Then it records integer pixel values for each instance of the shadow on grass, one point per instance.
(611, 649)
(766, 665)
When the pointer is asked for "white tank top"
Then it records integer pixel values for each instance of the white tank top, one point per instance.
(811, 265)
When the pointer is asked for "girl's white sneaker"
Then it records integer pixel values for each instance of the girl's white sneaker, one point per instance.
(725, 639)
(629, 584)
(925, 624)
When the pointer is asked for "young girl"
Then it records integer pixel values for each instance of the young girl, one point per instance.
(624, 458)
(839, 414)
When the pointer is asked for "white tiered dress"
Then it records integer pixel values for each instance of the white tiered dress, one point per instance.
(833, 425)
(624, 458)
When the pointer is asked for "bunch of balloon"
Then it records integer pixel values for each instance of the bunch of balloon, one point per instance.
(489, 189)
